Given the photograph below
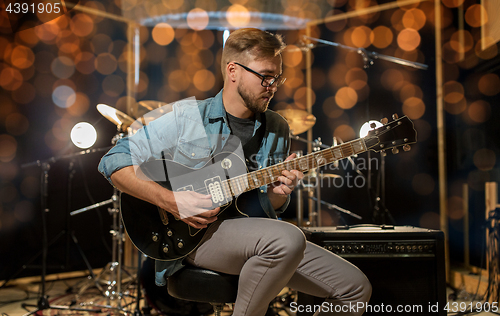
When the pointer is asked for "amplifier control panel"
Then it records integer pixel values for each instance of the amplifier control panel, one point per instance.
(400, 248)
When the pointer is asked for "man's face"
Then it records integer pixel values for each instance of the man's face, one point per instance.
(255, 96)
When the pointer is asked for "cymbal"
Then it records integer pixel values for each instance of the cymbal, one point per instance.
(314, 174)
(117, 117)
(299, 120)
(151, 104)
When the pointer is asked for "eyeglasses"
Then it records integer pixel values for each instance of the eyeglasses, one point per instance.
(267, 81)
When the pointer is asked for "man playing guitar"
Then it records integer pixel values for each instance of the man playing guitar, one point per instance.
(266, 253)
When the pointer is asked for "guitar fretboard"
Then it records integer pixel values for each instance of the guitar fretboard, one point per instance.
(252, 180)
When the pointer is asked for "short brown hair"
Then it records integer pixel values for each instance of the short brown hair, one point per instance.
(258, 43)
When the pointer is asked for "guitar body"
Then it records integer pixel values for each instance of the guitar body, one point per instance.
(156, 232)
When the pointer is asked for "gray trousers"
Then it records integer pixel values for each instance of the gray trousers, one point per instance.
(270, 254)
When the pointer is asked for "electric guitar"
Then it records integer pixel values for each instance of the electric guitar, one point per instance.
(159, 235)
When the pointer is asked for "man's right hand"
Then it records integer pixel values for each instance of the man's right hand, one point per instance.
(190, 207)
(194, 209)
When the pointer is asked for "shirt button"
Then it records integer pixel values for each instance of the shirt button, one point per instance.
(193, 154)
(223, 138)
(261, 191)
(260, 167)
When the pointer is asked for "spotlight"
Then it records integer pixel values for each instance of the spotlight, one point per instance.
(367, 127)
(83, 135)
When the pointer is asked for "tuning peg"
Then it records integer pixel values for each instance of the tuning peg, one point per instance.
(395, 150)
(406, 147)
(395, 116)
(373, 125)
(384, 120)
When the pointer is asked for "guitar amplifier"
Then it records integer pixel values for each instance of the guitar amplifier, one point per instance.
(404, 264)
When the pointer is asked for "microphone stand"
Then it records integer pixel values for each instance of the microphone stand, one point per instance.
(43, 302)
(369, 56)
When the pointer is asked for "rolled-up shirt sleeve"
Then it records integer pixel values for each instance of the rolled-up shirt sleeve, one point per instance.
(150, 142)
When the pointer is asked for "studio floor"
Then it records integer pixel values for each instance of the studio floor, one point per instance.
(83, 297)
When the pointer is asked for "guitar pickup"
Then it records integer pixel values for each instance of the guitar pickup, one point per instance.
(214, 188)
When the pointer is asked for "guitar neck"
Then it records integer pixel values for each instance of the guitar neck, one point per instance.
(252, 180)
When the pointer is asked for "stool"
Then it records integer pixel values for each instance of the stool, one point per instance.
(204, 286)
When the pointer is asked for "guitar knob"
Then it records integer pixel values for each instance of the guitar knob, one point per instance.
(395, 116)
(384, 120)
(165, 248)
(169, 233)
(395, 150)
(406, 147)
(180, 244)
(155, 237)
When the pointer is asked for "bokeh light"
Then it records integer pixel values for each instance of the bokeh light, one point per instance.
(344, 132)
(452, 3)
(489, 84)
(105, 63)
(476, 15)
(346, 98)
(238, 16)
(22, 57)
(63, 96)
(414, 19)
(197, 19)
(381, 36)
(292, 56)
(300, 97)
(16, 124)
(462, 41)
(484, 159)
(331, 109)
(8, 148)
(62, 67)
(163, 34)
(408, 39)
(455, 207)
(204, 80)
(414, 108)
(479, 111)
(82, 25)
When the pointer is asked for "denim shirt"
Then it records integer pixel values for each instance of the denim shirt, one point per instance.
(190, 134)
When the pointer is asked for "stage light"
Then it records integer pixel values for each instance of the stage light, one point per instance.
(83, 135)
(367, 127)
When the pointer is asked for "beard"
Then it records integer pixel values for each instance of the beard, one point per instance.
(256, 104)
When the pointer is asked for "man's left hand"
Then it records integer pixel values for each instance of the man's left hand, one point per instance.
(288, 180)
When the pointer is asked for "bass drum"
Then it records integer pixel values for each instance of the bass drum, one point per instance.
(159, 299)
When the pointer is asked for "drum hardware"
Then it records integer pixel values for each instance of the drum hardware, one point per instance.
(112, 289)
(313, 187)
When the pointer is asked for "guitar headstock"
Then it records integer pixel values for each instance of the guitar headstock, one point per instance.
(398, 133)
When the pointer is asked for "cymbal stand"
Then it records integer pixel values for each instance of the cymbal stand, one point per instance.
(113, 286)
(315, 216)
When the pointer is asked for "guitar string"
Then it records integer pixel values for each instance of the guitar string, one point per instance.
(346, 149)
